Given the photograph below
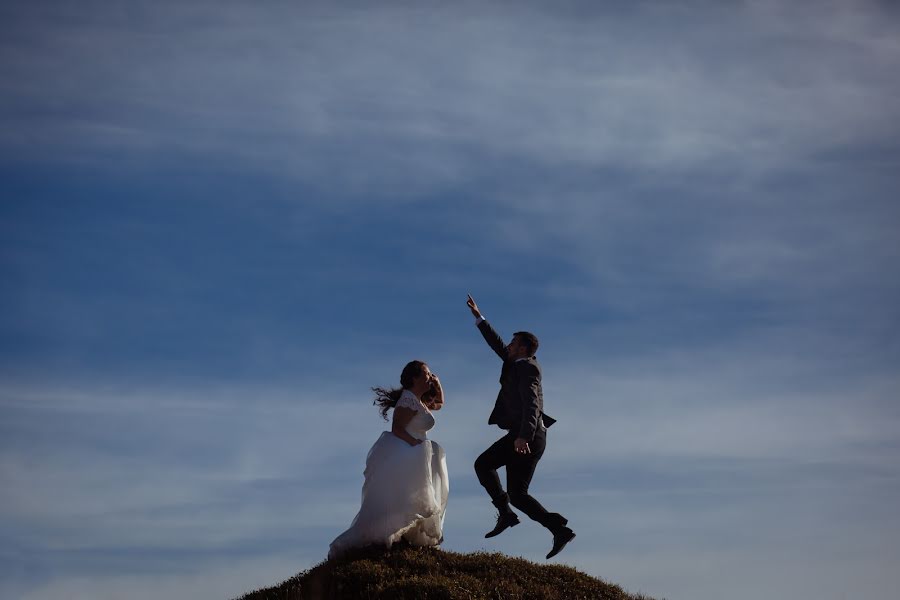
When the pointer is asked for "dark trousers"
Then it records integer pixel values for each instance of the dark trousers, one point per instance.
(519, 471)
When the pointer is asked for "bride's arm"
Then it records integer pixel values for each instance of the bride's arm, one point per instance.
(437, 401)
(402, 417)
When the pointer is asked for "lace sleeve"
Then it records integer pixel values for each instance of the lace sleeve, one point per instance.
(408, 402)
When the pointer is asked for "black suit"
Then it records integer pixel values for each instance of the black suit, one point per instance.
(520, 410)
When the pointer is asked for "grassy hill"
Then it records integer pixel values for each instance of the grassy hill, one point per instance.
(411, 573)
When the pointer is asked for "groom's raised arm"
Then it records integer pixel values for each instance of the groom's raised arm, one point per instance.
(492, 338)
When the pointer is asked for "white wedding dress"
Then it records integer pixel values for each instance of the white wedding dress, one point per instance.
(405, 491)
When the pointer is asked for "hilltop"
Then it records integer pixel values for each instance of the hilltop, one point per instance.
(415, 573)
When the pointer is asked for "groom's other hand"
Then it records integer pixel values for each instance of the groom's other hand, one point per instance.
(470, 302)
(521, 446)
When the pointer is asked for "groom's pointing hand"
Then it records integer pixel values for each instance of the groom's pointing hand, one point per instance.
(470, 302)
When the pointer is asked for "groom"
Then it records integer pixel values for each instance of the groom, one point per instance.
(520, 410)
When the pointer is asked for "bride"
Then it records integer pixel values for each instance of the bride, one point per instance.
(404, 494)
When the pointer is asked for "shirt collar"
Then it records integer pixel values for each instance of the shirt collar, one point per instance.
(408, 394)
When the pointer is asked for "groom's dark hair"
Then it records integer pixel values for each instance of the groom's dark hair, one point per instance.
(529, 340)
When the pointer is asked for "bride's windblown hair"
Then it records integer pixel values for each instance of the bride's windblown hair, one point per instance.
(386, 399)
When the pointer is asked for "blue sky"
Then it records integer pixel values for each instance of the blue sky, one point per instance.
(222, 222)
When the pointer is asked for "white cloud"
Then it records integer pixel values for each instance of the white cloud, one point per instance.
(391, 95)
(689, 406)
(647, 441)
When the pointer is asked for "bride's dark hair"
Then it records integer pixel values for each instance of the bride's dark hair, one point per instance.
(387, 399)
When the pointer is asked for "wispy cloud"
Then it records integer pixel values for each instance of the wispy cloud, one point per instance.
(222, 473)
(345, 94)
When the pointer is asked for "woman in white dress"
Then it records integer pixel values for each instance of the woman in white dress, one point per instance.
(404, 495)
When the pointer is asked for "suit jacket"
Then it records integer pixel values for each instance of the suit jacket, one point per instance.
(520, 402)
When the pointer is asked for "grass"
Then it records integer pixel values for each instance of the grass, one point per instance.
(416, 573)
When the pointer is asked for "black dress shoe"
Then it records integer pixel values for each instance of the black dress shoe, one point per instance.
(560, 538)
(504, 520)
